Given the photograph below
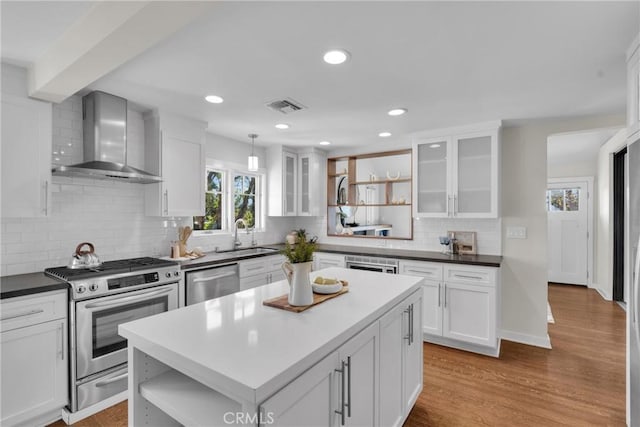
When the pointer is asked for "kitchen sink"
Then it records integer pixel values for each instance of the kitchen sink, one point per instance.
(248, 251)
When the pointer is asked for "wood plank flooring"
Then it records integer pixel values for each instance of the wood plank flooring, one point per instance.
(580, 382)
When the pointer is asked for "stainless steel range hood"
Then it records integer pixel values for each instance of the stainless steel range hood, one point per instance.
(105, 142)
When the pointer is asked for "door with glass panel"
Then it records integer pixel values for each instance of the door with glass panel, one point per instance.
(289, 183)
(567, 215)
(432, 165)
(475, 175)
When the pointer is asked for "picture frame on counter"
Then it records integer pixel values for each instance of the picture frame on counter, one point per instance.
(465, 241)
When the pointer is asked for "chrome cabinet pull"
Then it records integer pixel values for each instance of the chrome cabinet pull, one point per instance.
(408, 336)
(455, 205)
(439, 298)
(410, 270)
(166, 202)
(61, 341)
(462, 276)
(29, 313)
(342, 403)
(445, 295)
(449, 205)
(348, 405)
(411, 324)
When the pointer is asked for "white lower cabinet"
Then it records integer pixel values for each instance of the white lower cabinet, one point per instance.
(460, 304)
(261, 271)
(400, 361)
(325, 260)
(34, 382)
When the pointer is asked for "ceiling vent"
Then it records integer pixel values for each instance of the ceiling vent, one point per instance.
(285, 106)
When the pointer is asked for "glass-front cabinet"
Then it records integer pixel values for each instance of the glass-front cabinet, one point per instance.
(290, 184)
(457, 174)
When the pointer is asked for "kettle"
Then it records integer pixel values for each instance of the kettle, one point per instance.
(84, 258)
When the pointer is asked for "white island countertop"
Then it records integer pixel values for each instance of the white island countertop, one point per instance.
(248, 351)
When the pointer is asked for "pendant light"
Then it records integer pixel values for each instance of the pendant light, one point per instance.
(253, 159)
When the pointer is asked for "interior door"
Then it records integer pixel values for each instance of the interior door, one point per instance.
(567, 216)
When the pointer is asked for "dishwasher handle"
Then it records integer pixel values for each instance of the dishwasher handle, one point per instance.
(214, 277)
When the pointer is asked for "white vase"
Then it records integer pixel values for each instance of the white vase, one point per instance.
(339, 227)
(300, 292)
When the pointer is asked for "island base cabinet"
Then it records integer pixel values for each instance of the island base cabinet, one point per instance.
(400, 360)
(308, 401)
(470, 313)
(34, 373)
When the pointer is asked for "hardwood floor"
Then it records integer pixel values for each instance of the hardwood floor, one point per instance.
(580, 382)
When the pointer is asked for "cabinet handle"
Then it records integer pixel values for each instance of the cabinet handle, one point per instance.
(408, 336)
(46, 198)
(342, 403)
(411, 324)
(29, 313)
(348, 405)
(255, 268)
(61, 341)
(445, 295)
(448, 205)
(455, 205)
(166, 202)
(462, 276)
(410, 270)
(439, 298)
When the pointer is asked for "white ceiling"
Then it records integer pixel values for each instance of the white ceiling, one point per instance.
(449, 63)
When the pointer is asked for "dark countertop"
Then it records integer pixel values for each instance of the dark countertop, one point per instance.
(28, 284)
(213, 258)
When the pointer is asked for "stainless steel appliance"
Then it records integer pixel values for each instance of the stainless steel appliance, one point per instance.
(381, 265)
(210, 283)
(102, 298)
(633, 312)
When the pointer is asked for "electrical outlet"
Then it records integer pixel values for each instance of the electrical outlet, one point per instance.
(516, 232)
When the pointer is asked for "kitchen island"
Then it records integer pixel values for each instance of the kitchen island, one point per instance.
(354, 359)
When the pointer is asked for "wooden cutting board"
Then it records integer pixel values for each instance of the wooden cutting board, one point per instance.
(282, 302)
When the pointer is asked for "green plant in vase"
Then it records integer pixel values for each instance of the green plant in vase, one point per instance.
(298, 267)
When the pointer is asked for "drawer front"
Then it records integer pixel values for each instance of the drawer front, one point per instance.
(274, 263)
(253, 267)
(429, 270)
(33, 309)
(470, 274)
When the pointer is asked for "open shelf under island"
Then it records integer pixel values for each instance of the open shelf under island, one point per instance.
(232, 359)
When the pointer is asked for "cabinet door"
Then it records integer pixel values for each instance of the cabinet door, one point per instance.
(34, 371)
(470, 313)
(476, 175)
(327, 260)
(310, 400)
(254, 281)
(361, 364)
(289, 183)
(432, 183)
(26, 157)
(304, 185)
(412, 375)
(432, 307)
(183, 177)
(393, 329)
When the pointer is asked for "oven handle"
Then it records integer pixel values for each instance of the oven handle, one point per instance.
(112, 380)
(119, 301)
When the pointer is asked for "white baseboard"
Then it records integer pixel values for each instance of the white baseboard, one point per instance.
(544, 342)
(602, 293)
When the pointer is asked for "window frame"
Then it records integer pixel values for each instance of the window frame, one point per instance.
(229, 172)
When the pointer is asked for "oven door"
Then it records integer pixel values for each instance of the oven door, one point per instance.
(98, 345)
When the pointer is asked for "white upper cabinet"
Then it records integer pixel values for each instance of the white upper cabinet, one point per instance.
(456, 172)
(296, 185)
(633, 89)
(26, 150)
(174, 150)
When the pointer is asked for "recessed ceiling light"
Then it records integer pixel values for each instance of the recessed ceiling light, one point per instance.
(335, 56)
(397, 111)
(434, 146)
(325, 143)
(282, 126)
(214, 99)
(384, 134)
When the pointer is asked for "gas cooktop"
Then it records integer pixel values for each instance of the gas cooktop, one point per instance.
(109, 268)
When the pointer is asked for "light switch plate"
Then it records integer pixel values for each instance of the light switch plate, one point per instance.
(516, 232)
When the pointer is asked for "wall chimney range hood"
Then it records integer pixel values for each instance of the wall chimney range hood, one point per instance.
(105, 142)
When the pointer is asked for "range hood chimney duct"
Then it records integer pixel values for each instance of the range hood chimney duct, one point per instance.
(104, 123)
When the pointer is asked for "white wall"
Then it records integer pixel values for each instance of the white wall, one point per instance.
(524, 183)
(604, 215)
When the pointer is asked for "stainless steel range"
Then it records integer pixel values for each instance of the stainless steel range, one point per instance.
(102, 298)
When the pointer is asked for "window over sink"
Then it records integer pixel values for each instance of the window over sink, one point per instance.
(231, 194)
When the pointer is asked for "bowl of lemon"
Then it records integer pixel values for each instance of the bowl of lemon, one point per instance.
(325, 285)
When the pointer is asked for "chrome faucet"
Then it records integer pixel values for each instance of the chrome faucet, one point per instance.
(236, 242)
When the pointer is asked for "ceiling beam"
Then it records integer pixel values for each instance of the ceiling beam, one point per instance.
(109, 35)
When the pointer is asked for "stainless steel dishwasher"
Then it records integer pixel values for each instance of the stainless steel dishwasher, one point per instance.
(212, 282)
